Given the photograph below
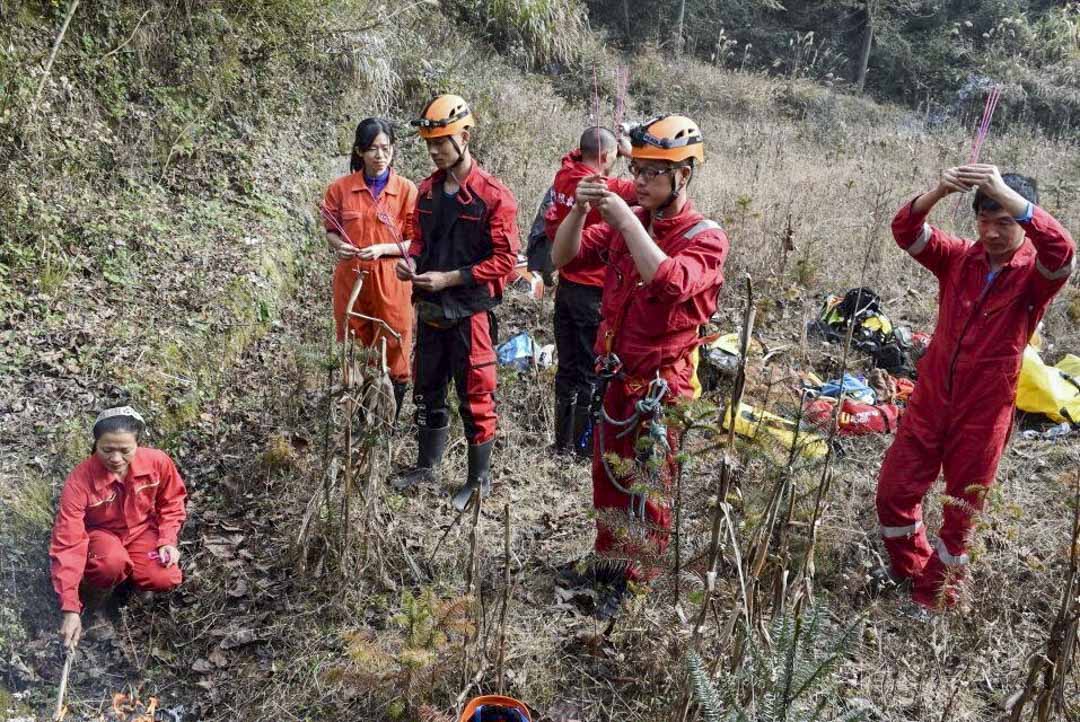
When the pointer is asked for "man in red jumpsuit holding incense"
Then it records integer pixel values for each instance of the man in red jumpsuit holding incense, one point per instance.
(992, 294)
(581, 281)
(664, 268)
(466, 247)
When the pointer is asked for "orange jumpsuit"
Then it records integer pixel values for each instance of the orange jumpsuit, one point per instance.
(108, 529)
(367, 221)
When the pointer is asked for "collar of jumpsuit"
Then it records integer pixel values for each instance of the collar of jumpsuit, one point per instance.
(360, 183)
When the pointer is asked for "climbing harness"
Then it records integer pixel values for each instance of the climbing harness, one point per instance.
(648, 409)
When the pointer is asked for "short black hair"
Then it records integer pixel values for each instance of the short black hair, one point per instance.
(366, 133)
(596, 140)
(118, 425)
(1026, 187)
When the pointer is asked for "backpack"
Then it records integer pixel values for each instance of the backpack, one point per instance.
(873, 332)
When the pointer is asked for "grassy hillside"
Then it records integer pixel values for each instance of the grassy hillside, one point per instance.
(161, 246)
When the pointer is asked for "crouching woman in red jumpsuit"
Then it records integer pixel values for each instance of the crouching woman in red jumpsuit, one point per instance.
(120, 513)
(992, 294)
(664, 268)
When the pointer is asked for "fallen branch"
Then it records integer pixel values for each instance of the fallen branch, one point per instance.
(52, 56)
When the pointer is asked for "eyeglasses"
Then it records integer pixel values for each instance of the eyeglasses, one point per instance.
(650, 172)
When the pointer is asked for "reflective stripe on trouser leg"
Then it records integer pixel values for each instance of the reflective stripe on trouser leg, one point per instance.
(895, 532)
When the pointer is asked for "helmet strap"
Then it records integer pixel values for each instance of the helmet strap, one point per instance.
(675, 190)
(460, 156)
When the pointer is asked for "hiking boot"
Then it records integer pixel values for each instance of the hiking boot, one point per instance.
(479, 475)
(589, 573)
(882, 582)
(609, 598)
(564, 425)
(431, 447)
(583, 447)
(98, 607)
(914, 611)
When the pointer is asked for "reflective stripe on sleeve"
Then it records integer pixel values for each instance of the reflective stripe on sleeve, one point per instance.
(1063, 272)
(922, 241)
(894, 532)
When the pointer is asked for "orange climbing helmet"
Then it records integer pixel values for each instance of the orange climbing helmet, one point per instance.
(444, 115)
(674, 138)
(495, 708)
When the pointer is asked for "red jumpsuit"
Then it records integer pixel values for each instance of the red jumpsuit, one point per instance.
(577, 297)
(652, 328)
(107, 528)
(960, 414)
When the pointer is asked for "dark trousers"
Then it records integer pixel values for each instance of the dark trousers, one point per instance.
(464, 352)
(577, 316)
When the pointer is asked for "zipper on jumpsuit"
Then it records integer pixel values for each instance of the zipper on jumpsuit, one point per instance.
(967, 325)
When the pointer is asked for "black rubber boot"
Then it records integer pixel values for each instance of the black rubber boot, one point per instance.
(583, 446)
(400, 387)
(565, 416)
(479, 475)
(432, 446)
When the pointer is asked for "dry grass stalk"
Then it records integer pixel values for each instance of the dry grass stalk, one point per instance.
(470, 587)
(1049, 672)
(505, 600)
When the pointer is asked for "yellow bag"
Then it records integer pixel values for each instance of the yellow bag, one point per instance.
(750, 419)
(1053, 391)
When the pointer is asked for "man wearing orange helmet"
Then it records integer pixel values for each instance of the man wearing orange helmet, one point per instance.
(466, 246)
(664, 268)
(577, 297)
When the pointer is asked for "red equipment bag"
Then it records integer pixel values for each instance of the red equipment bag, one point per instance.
(856, 419)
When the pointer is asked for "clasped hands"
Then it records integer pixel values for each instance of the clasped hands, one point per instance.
(592, 192)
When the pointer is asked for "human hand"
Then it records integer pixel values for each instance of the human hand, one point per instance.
(372, 253)
(345, 250)
(590, 191)
(983, 176)
(71, 630)
(433, 281)
(405, 269)
(951, 182)
(624, 147)
(987, 178)
(168, 555)
(615, 211)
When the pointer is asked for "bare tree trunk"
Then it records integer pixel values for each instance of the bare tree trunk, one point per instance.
(679, 28)
(626, 17)
(866, 43)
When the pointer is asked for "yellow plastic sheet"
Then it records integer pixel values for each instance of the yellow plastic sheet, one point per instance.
(1047, 390)
(750, 421)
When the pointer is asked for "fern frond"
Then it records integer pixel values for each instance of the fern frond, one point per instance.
(705, 693)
